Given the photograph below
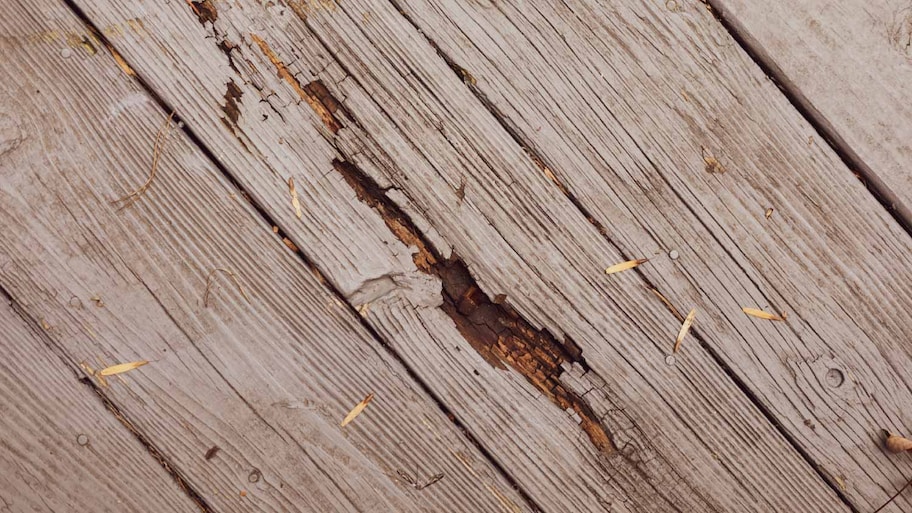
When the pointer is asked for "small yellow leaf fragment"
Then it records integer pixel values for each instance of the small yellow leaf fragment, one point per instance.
(623, 266)
(357, 410)
(896, 443)
(121, 368)
(760, 314)
(685, 327)
(294, 198)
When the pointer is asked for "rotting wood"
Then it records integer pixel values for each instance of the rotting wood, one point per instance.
(495, 330)
(312, 93)
(585, 115)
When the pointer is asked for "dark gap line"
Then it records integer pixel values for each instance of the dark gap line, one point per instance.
(876, 187)
(712, 352)
(309, 263)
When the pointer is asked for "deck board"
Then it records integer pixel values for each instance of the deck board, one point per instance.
(848, 64)
(497, 265)
(267, 380)
(62, 450)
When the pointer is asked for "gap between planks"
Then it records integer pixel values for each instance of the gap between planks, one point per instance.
(846, 156)
(282, 235)
(879, 190)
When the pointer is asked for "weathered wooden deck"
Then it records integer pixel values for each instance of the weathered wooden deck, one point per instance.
(289, 207)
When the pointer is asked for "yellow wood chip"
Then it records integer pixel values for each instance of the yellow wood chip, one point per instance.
(623, 266)
(123, 367)
(357, 410)
(760, 314)
(294, 198)
(769, 212)
(685, 327)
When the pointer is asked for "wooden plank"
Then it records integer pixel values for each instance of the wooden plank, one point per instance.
(630, 126)
(847, 64)
(62, 449)
(267, 368)
(410, 123)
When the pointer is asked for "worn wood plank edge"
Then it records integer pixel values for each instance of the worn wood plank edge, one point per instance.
(877, 189)
(306, 261)
(754, 50)
(112, 407)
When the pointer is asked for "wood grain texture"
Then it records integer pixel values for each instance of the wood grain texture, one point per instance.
(412, 124)
(62, 450)
(268, 140)
(267, 380)
(849, 64)
(629, 125)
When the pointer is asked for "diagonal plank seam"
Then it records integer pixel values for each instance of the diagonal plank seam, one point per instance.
(110, 405)
(712, 352)
(312, 98)
(875, 186)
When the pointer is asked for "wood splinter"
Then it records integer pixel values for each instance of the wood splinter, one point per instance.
(157, 149)
(113, 370)
(623, 266)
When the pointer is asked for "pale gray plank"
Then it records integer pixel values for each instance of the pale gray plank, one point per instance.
(420, 130)
(60, 448)
(850, 65)
(267, 380)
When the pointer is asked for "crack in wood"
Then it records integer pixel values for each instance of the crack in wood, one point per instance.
(494, 329)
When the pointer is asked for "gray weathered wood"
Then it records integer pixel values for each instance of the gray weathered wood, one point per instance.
(420, 130)
(850, 64)
(62, 450)
(267, 380)
(541, 445)
(622, 125)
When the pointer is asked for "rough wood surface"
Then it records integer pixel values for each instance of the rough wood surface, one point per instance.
(399, 113)
(636, 128)
(267, 380)
(850, 65)
(541, 445)
(62, 450)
